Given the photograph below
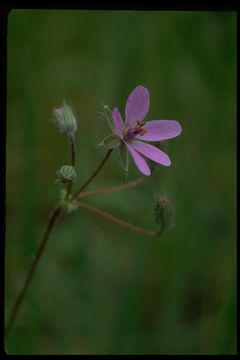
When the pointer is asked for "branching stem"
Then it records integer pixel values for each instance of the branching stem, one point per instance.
(118, 221)
(112, 189)
(16, 307)
(94, 174)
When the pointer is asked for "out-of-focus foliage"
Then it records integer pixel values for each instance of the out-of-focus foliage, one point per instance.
(100, 289)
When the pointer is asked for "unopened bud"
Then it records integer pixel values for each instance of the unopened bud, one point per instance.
(65, 120)
(164, 215)
(65, 174)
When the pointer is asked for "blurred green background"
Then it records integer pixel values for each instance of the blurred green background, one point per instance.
(101, 289)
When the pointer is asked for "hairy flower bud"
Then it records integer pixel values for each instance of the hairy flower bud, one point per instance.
(65, 174)
(163, 213)
(65, 120)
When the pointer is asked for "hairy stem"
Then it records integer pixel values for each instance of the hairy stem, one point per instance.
(118, 221)
(93, 174)
(111, 189)
(53, 216)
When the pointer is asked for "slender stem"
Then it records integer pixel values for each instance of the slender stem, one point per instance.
(118, 221)
(93, 174)
(116, 188)
(69, 186)
(73, 157)
(53, 216)
(73, 150)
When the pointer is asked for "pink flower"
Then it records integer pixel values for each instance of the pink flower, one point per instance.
(133, 130)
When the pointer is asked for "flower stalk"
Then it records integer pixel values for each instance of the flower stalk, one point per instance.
(16, 307)
(73, 159)
(129, 185)
(116, 220)
(73, 150)
(94, 174)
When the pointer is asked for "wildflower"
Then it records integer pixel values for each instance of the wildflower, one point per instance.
(134, 129)
(65, 120)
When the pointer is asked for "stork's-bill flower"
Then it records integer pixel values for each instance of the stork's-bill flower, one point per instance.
(131, 134)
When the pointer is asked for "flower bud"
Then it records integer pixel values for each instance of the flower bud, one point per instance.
(164, 216)
(65, 174)
(65, 120)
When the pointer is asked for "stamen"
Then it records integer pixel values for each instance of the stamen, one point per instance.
(136, 129)
(142, 131)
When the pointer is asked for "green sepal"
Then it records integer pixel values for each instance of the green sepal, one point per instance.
(123, 153)
(105, 112)
(111, 141)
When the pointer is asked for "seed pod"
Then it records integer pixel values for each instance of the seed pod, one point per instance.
(164, 215)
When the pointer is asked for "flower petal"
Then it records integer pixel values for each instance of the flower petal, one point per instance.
(158, 130)
(139, 161)
(118, 122)
(151, 152)
(137, 105)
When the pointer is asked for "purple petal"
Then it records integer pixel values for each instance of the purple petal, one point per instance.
(139, 161)
(137, 105)
(158, 130)
(118, 122)
(151, 152)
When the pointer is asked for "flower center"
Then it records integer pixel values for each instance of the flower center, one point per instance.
(129, 133)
